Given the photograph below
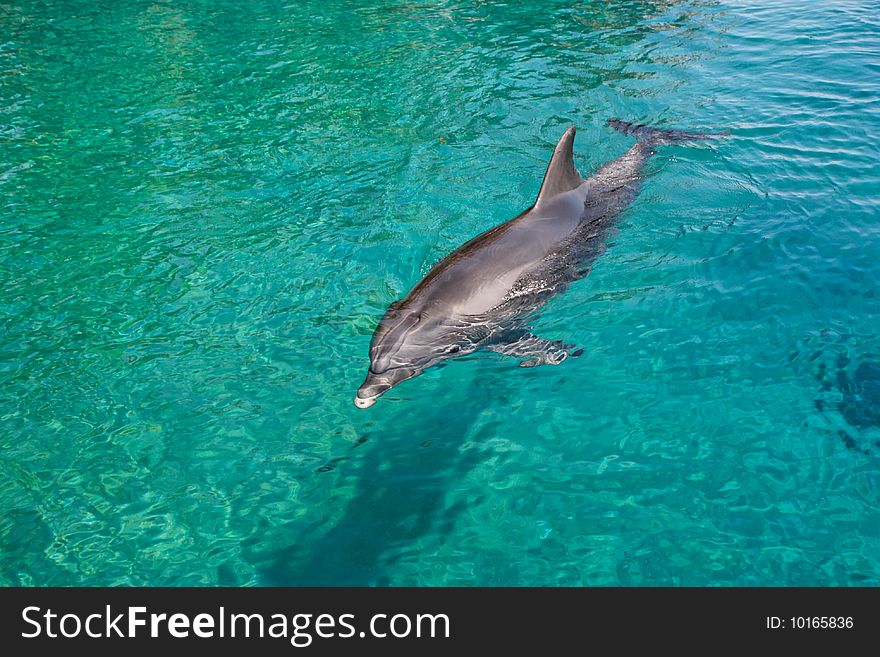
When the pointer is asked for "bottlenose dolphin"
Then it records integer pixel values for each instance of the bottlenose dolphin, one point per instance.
(481, 295)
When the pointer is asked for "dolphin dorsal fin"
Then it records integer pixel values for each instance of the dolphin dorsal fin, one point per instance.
(561, 176)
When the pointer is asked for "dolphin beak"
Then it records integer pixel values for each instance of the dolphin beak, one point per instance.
(371, 390)
(377, 385)
(364, 402)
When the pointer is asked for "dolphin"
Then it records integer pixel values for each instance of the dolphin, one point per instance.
(481, 295)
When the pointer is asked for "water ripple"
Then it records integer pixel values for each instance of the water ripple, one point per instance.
(206, 208)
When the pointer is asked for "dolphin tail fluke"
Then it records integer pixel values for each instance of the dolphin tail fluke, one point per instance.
(657, 136)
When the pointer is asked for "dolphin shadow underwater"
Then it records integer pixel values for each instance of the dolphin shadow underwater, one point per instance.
(857, 400)
(401, 497)
(483, 293)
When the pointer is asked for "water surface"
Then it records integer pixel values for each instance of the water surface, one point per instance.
(206, 207)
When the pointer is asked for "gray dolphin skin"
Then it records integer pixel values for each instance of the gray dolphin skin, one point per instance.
(481, 295)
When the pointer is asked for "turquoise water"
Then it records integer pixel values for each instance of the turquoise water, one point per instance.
(206, 207)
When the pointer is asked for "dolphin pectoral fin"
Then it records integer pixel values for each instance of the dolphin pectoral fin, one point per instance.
(535, 350)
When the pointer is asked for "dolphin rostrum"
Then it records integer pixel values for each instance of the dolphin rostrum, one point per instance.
(482, 294)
